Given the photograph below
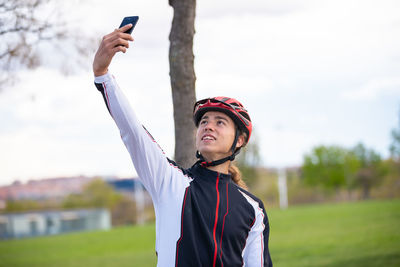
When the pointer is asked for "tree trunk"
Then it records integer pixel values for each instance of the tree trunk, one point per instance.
(183, 79)
(366, 191)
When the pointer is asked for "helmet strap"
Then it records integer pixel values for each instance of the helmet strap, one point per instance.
(237, 133)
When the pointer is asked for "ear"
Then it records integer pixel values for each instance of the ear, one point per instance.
(240, 141)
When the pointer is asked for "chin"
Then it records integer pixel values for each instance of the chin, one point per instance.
(206, 151)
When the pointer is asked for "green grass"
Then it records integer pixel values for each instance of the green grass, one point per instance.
(123, 246)
(349, 234)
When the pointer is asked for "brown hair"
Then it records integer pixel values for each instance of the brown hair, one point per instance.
(236, 176)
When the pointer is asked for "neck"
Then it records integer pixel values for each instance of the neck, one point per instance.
(222, 168)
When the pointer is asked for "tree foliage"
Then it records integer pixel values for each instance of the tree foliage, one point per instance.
(96, 194)
(329, 166)
(335, 167)
(21, 205)
(249, 160)
(370, 168)
(124, 212)
(395, 144)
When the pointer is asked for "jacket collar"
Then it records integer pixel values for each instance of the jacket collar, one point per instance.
(202, 172)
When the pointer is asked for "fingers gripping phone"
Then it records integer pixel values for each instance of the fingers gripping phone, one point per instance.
(133, 20)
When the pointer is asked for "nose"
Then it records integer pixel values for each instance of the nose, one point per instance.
(209, 127)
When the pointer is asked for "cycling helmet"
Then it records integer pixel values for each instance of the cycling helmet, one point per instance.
(230, 106)
(235, 110)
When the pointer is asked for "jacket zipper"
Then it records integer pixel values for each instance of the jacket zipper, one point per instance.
(215, 223)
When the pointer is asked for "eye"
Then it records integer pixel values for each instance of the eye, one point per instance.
(203, 122)
(220, 122)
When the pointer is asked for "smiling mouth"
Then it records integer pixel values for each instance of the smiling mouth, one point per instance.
(208, 138)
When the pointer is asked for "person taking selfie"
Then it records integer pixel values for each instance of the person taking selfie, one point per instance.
(204, 214)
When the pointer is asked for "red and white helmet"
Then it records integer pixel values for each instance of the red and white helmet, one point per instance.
(230, 106)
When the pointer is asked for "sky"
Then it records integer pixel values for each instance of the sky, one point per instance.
(309, 72)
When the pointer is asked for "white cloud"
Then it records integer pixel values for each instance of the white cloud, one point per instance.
(375, 88)
(285, 148)
(66, 129)
(212, 9)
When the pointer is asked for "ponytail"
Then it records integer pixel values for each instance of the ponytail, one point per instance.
(236, 176)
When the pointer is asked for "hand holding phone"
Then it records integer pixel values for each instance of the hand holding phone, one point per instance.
(129, 20)
(111, 44)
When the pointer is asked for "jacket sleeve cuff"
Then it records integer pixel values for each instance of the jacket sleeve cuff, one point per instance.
(103, 78)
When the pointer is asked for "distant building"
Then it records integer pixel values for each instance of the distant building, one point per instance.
(50, 188)
(29, 224)
(130, 187)
(126, 186)
(59, 188)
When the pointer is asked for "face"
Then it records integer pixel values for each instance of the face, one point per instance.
(215, 135)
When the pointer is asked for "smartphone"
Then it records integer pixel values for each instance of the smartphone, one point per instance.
(133, 20)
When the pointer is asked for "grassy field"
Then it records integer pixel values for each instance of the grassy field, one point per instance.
(349, 234)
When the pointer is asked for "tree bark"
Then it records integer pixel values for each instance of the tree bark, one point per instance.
(183, 78)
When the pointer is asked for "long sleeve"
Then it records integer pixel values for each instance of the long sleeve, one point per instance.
(152, 166)
(256, 252)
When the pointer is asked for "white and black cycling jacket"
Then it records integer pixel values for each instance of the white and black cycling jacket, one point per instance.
(202, 217)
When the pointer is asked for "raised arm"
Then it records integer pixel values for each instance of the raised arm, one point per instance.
(153, 168)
